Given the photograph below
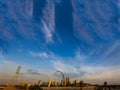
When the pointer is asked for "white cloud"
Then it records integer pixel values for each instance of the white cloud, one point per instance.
(112, 48)
(47, 32)
(48, 21)
(77, 69)
(20, 20)
(88, 26)
(47, 55)
(81, 32)
(26, 29)
(28, 7)
(66, 68)
(87, 72)
(80, 28)
(79, 56)
(16, 22)
(107, 53)
(39, 54)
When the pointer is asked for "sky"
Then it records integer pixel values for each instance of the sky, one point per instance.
(80, 38)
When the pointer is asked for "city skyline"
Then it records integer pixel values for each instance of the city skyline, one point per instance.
(78, 37)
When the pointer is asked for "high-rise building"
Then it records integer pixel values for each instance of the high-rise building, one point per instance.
(68, 81)
(75, 83)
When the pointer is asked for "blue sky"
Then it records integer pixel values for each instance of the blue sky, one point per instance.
(81, 38)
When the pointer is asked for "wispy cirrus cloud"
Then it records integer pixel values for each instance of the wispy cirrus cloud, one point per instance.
(113, 48)
(80, 56)
(106, 53)
(13, 21)
(87, 72)
(81, 66)
(43, 54)
(48, 21)
(70, 65)
(92, 25)
(39, 54)
(28, 8)
(18, 22)
(59, 65)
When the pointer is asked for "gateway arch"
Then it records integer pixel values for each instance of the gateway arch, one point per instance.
(52, 77)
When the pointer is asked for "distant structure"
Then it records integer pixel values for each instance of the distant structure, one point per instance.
(16, 75)
(51, 79)
(68, 81)
(76, 83)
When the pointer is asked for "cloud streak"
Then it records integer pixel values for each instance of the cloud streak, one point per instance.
(92, 25)
(81, 66)
(18, 21)
(28, 8)
(64, 67)
(39, 54)
(13, 21)
(43, 55)
(48, 22)
(87, 72)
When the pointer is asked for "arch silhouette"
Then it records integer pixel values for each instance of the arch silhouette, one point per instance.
(54, 76)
